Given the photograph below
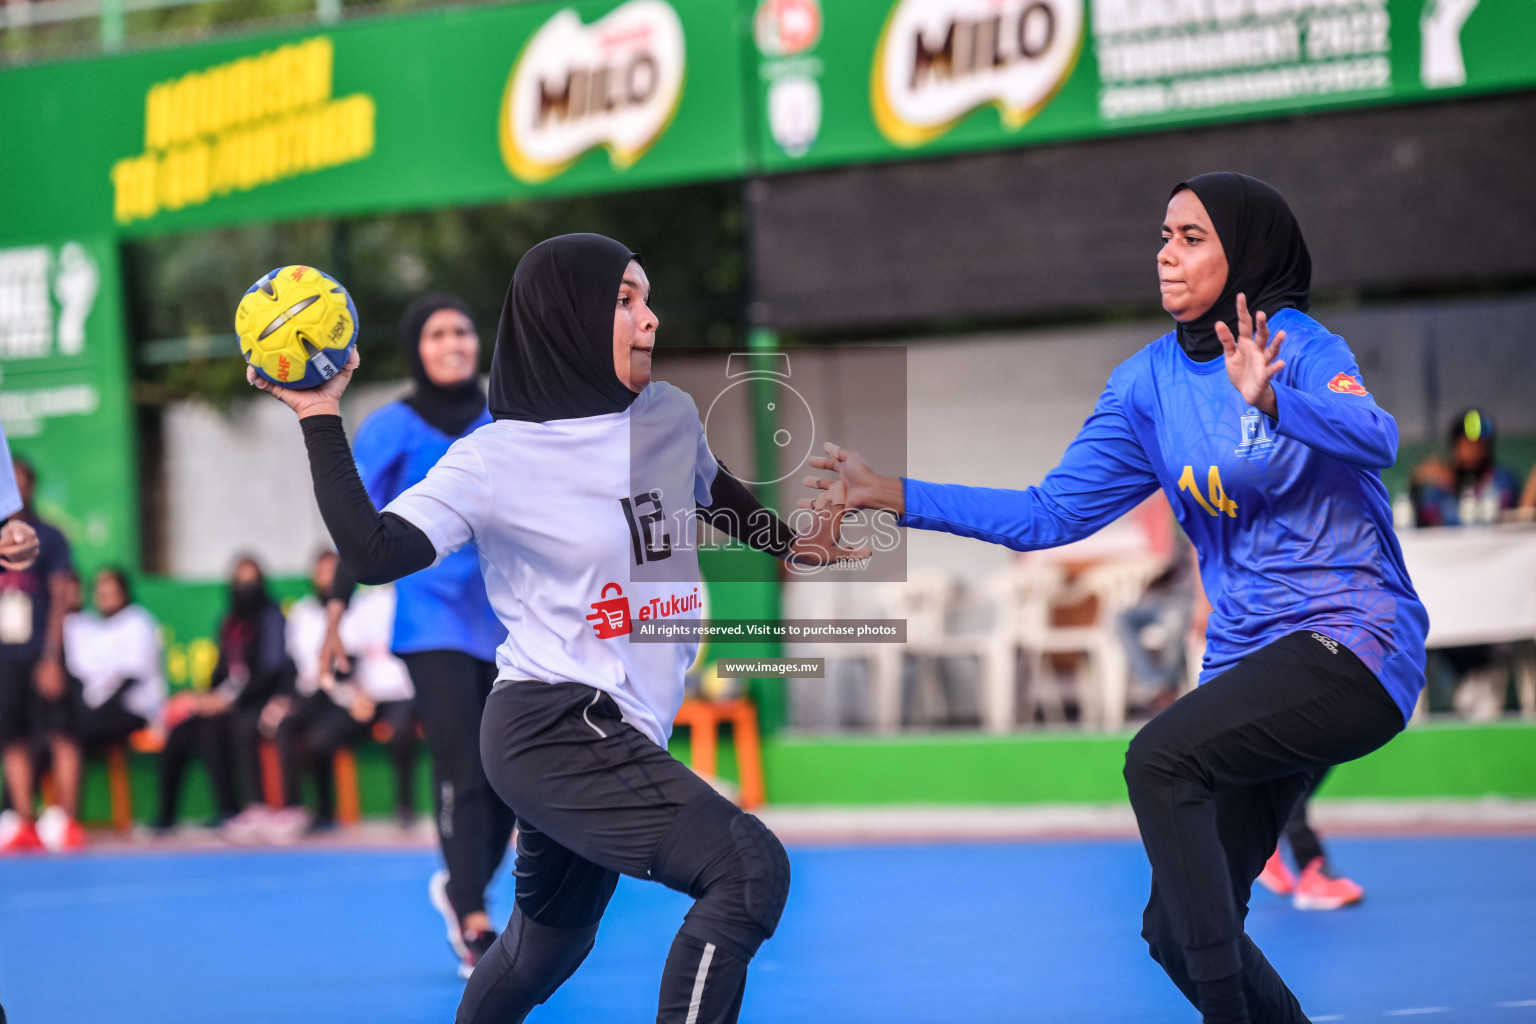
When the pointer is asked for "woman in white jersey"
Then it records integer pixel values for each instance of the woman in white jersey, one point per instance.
(582, 498)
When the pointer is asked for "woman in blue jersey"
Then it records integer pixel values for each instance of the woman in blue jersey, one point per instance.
(445, 630)
(1315, 644)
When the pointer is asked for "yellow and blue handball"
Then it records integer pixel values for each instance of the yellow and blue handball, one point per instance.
(297, 326)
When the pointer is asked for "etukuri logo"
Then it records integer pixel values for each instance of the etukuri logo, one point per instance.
(610, 615)
(614, 83)
(938, 60)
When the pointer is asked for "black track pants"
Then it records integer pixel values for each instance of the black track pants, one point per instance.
(1305, 844)
(207, 736)
(1213, 780)
(309, 738)
(400, 716)
(595, 798)
(473, 824)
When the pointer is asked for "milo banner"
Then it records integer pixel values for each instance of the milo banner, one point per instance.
(63, 392)
(474, 105)
(850, 81)
(447, 108)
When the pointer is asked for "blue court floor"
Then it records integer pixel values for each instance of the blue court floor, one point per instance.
(1038, 931)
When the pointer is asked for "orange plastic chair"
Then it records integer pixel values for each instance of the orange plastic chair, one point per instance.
(145, 741)
(348, 807)
(703, 718)
(271, 775)
(117, 786)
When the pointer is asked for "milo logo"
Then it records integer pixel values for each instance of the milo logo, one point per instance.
(615, 83)
(938, 60)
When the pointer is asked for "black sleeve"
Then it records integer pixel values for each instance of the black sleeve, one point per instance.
(737, 511)
(376, 547)
(343, 586)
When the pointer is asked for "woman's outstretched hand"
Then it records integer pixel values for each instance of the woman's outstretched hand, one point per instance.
(822, 544)
(1251, 357)
(862, 487)
(324, 400)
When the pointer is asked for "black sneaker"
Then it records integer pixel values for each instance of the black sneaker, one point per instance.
(478, 944)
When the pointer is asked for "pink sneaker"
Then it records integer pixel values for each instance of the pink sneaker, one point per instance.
(20, 834)
(247, 827)
(1276, 877)
(1317, 890)
(285, 826)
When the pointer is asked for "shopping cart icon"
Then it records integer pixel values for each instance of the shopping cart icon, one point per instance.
(610, 617)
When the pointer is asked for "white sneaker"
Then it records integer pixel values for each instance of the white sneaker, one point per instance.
(286, 826)
(247, 827)
(10, 824)
(51, 826)
(437, 891)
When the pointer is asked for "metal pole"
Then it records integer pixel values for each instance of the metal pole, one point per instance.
(112, 25)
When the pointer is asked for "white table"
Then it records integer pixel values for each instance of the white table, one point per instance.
(1478, 583)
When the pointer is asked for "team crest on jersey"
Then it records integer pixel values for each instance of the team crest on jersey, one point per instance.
(1344, 384)
(1256, 442)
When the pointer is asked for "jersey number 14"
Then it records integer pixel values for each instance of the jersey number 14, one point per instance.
(1219, 502)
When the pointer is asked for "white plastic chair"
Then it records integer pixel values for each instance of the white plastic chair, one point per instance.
(1116, 586)
(925, 601)
(1025, 594)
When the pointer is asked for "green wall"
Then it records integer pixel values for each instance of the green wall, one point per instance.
(1450, 760)
(1431, 761)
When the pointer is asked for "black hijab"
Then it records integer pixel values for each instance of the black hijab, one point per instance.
(450, 409)
(554, 345)
(1267, 258)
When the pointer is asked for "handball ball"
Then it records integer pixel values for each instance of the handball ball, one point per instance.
(297, 326)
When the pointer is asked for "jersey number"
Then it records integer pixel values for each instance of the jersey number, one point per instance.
(646, 535)
(1219, 502)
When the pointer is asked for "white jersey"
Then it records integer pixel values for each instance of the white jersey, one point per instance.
(583, 526)
(366, 628)
(303, 633)
(103, 652)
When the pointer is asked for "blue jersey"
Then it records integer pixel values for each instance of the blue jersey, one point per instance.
(10, 496)
(1290, 518)
(444, 607)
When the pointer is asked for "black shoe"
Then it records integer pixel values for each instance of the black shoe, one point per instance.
(478, 944)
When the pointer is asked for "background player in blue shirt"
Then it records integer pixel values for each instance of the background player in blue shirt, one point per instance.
(445, 630)
(1315, 645)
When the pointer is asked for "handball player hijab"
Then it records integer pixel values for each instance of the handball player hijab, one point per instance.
(1267, 259)
(554, 345)
(448, 409)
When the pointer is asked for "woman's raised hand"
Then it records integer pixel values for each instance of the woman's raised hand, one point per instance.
(324, 400)
(1252, 361)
